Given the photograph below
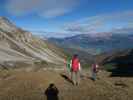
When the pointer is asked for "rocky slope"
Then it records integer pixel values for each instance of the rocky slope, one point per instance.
(17, 45)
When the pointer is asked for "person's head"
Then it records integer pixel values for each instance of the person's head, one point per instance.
(95, 62)
(51, 85)
(69, 57)
(75, 56)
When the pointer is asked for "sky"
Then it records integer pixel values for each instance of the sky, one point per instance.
(63, 18)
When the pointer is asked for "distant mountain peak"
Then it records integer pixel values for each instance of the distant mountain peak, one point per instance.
(101, 35)
(6, 25)
(3, 18)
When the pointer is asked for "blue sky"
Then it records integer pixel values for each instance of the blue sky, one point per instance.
(61, 18)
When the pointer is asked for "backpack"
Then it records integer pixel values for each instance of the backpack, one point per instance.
(75, 64)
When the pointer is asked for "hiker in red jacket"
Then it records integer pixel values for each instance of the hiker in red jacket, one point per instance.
(75, 67)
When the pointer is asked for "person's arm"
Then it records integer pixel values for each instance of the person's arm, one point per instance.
(56, 90)
(71, 64)
(97, 66)
(79, 66)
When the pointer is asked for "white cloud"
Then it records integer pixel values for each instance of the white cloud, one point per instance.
(54, 12)
(45, 8)
(52, 34)
(101, 23)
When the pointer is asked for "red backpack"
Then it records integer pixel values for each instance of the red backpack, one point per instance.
(75, 64)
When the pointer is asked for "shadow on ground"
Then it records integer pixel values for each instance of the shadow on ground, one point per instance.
(66, 78)
(122, 71)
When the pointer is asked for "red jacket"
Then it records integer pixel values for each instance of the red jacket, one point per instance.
(75, 64)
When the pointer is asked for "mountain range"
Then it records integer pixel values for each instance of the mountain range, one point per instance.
(18, 45)
(100, 43)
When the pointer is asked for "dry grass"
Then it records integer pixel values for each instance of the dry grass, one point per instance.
(21, 85)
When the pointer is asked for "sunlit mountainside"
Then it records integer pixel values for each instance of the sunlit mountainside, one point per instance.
(17, 45)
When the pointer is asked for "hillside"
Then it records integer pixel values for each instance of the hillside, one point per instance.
(96, 44)
(17, 45)
(119, 62)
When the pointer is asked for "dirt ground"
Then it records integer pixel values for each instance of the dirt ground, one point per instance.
(22, 85)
